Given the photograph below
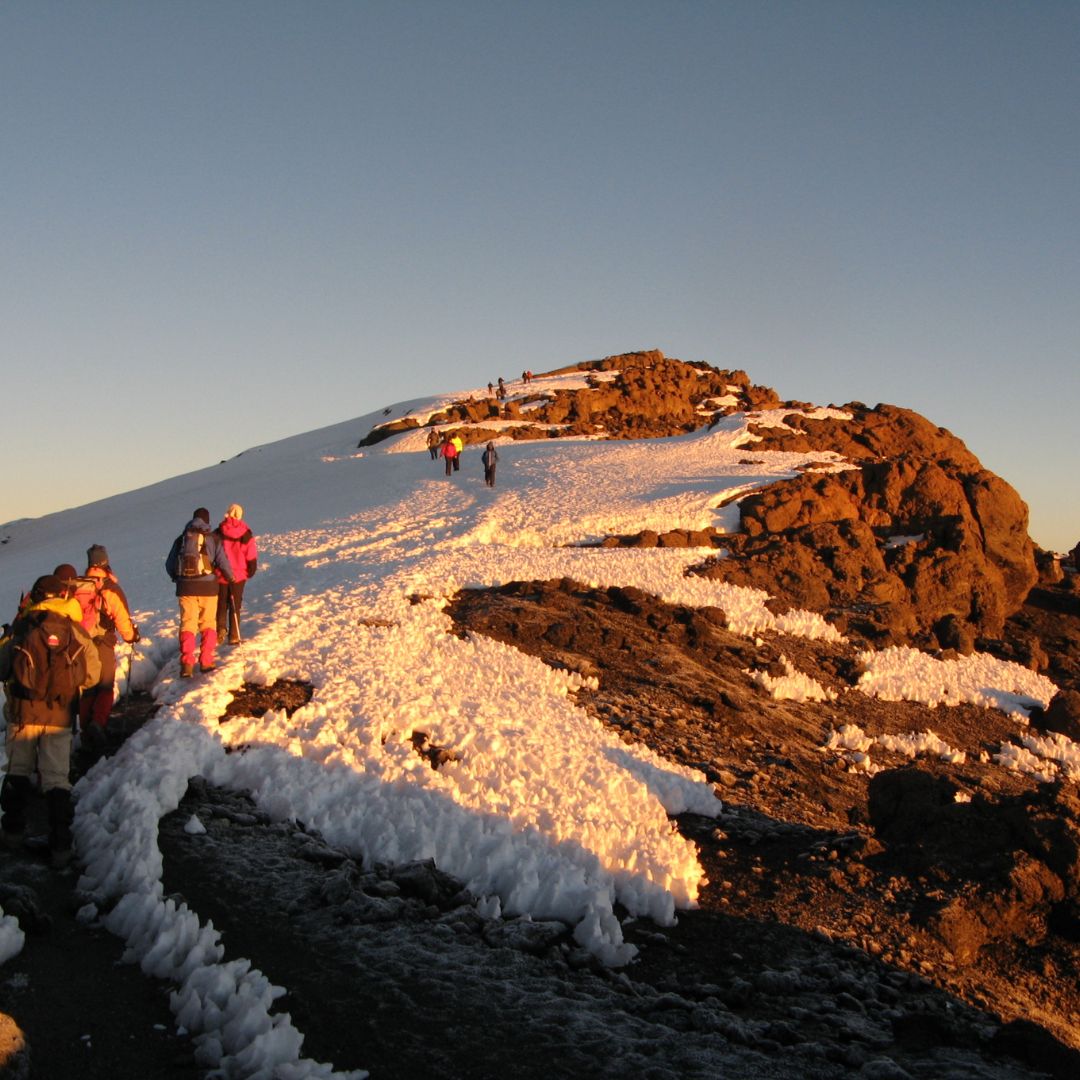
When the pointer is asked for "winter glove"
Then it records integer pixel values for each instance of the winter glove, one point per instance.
(252, 566)
(135, 635)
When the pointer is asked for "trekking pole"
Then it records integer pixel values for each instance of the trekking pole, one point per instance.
(131, 656)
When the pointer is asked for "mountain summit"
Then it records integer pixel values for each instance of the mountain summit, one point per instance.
(723, 736)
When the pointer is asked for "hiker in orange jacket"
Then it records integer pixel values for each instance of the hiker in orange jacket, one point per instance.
(107, 619)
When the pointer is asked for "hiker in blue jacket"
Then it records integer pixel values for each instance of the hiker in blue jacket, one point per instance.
(196, 553)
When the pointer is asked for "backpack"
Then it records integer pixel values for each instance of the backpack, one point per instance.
(87, 591)
(48, 661)
(192, 560)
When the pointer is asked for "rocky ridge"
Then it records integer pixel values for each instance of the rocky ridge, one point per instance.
(914, 542)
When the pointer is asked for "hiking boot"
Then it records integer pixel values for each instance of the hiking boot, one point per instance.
(186, 671)
(234, 641)
(207, 668)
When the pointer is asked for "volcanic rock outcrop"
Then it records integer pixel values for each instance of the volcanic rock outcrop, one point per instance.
(918, 542)
(634, 395)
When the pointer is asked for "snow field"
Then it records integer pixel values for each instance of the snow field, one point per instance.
(540, 811)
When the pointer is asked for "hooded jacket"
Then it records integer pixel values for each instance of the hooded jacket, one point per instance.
(240, 548)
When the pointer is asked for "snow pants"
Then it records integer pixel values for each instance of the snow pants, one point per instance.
(198, 619)
(230, 599)
(46, 750)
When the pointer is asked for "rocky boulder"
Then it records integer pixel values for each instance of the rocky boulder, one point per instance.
(917, 542)
(1062, 716)
(1003, 868)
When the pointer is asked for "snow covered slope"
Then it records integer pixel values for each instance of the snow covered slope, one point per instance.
(543, 813)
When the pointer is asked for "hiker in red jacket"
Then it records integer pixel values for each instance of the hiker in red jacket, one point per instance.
(449, 453)
(242, 552)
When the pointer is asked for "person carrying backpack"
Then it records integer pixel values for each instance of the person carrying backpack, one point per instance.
(46, 660)
(106, 617)
(195, 556)
(243, 555)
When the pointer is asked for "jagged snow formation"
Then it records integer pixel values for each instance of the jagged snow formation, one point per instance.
(900, 673)
(1046, 757)
(854, 746)
(793, 685)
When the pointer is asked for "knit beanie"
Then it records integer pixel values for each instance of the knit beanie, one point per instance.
(96, 555)
(46, 586)
(65, 571)
(202, 514)
(235, 511)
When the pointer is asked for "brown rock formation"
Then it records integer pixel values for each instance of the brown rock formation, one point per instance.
(634, 395)
(917, 541)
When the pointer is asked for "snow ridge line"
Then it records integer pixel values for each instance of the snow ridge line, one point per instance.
(225, 1005)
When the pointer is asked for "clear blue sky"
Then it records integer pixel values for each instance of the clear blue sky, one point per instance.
(225, 223)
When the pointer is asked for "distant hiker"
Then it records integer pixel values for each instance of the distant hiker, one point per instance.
(502, 389)
(433, 443)
(489, 458)
(243, 555)
(449, 453)
(106, 617)
(47, 659)
(491, 389)
(192, 561)
(459, 446)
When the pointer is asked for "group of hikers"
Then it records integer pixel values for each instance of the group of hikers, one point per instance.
(450, 447)
(58, 659)
(499, 390)
(210, 568)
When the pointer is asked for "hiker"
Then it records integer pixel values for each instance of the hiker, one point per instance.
(106, 617)
(239, 544)
(433, 443)
(489, 459)
(449, 453)
(459, 445)
(47, 659)
(502, 389)
(192, 561)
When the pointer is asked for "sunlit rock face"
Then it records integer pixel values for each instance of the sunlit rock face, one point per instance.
(916, 542)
